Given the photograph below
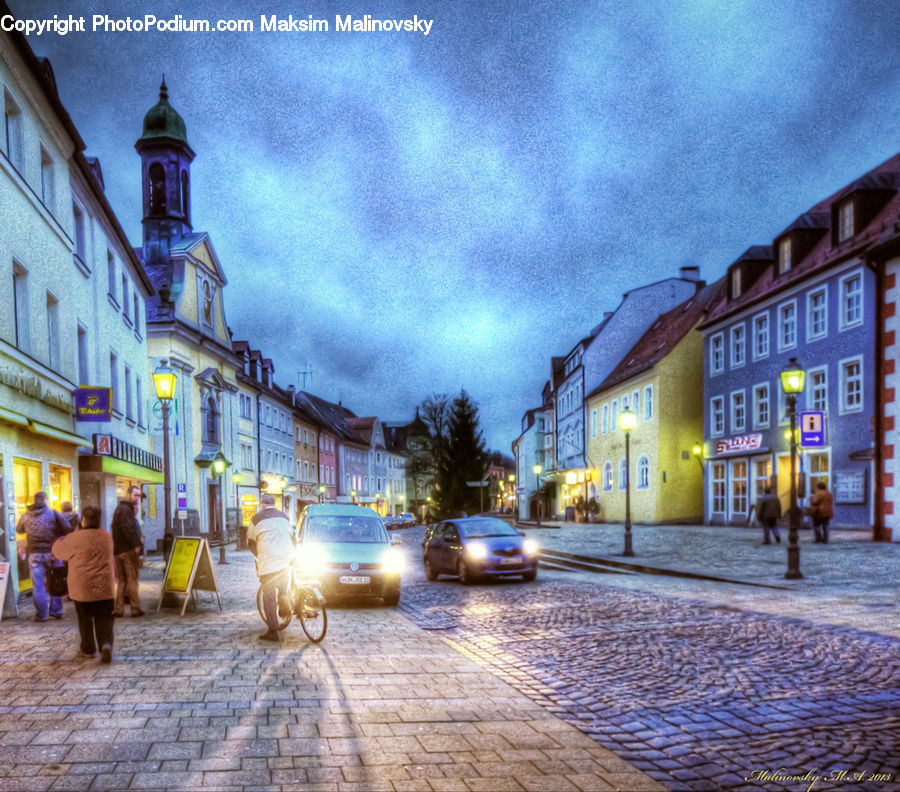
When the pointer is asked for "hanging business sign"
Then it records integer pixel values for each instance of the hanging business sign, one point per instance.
(93, 404)
(189, 569)
(739, 444)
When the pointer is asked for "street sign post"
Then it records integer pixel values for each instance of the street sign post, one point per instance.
(481, 485)
(812, 429)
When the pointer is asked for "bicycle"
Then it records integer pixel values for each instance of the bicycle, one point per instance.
(303, 600)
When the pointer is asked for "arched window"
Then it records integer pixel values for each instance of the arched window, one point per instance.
(643, 473)
(211, 421)
(607, 477)
(157, 176)
(623, 473)
(185, 197)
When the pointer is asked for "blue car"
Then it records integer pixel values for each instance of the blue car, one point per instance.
(478, 547)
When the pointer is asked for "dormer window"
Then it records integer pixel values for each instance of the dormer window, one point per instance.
(845, 221)
(784, 255)
(735, 283)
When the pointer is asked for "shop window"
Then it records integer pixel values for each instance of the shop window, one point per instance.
(60, 487)
(818, 470)
(762, 473)
(718, 488)
(26, 482)
(738, 488)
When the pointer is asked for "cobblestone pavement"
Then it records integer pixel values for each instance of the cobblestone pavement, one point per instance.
(699, 697)
(199, 703)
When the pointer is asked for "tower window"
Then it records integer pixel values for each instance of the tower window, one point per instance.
(157, 189)
(185, 198)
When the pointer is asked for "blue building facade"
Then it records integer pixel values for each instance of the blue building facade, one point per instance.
(810, 296)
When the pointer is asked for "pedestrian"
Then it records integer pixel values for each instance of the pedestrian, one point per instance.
(768, 512)
(821, 506)
(91, 572)
(42, 526)
(269, 539)
(70, 515)
(128, 546)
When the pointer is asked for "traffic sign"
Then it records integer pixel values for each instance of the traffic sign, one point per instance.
(812, 429)
(476, 483)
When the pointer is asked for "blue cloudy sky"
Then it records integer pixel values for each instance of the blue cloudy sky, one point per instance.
(410, 214)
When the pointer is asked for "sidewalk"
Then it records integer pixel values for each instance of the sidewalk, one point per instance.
(198, 702)
(851, 581)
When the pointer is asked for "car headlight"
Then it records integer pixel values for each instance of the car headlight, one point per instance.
(393, 561)
(310, 560)
(477, 550)
(531, 547)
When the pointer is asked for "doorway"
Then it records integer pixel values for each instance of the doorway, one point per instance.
(214, 503)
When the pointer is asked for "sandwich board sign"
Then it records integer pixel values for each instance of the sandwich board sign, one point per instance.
(4, 577)
(189, 569)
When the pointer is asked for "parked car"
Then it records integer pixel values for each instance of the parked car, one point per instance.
(389, 521)
(476, 547)
(406, 520)
(349, 551)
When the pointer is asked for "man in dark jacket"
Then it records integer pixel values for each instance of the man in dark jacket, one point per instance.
(768, 510)
(42, 527)
(128, 547)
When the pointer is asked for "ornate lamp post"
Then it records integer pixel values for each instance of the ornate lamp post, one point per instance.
(627, 422)
(353, 496)
(512, 487)
(164, 382)
(792, 378)
(321, 493)
(537, 478)
(218, 468)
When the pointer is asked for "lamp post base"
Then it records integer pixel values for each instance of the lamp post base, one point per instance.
(793, 570)
(629, 552)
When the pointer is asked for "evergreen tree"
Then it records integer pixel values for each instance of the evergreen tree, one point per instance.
(464, 459)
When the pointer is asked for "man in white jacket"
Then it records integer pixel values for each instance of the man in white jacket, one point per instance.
(269, 539)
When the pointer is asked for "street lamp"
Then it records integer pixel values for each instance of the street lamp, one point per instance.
(164, 382)
(218, 469)
(792, 378)
(321, 492)
(627, 422)
(353, 495)
(537, 477)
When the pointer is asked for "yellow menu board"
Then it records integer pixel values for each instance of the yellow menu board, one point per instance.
(190, 568)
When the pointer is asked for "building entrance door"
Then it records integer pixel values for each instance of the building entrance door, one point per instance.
(214, 519)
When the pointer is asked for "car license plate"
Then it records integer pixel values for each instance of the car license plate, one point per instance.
(355, 580)
(511, 560)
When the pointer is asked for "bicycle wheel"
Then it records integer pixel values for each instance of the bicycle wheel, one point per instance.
(313, 616)
(284, 610)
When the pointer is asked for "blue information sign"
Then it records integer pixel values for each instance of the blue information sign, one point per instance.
(812, 429)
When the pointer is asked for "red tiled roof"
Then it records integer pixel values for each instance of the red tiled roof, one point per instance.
(663, 335)
(885, 176)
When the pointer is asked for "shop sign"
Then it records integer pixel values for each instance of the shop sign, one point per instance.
(19, 379)
(109, 445)
(93, 404)
(739, 444)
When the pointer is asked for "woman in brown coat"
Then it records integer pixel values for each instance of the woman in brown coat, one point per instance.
(822, 507)
(91, 572)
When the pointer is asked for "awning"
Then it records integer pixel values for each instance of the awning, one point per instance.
(59, 434)
(94, 463)
(13, 417)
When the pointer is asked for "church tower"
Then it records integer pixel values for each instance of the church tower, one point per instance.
(166, 181)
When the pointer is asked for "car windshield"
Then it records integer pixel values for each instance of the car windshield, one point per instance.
(337, 528)
(477, 529)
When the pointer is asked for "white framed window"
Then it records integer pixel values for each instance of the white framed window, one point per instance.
(614, 416)
(817, 314)
(718, 488)
(604, 419)
(52, 331)
(80, 222)
(738, 345)
(784, 255)
(738, 487)
(845, 221)
(817, 389)
(128, 407)
(623, 473)
(636, 403)
(761, 336)
(48, 181)
(111, 275)
(761, 406)
(851, 300)
(306, 471)
(607, 476)
(593, 422)
(648, 402)
(114, 379)
(738, 412)
(787, 325)
(717, 354)
(717, 416)
(625, 403)
(851, 384)
(15, 146)
(643, 472)
(83, 375)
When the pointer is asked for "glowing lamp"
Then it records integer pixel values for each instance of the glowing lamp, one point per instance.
(164, 381)
(627, 420)
(792, 377)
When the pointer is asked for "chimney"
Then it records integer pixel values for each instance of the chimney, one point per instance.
(293, 393)
(690, 273)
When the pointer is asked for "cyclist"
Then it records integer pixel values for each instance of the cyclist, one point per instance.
(269, 538)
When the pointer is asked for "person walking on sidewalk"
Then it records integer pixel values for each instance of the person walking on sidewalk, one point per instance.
(91, 570)
(42, 526)
(269, 539)
(768, 510)
(821, 506)
(70, 515)
(128, 546)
